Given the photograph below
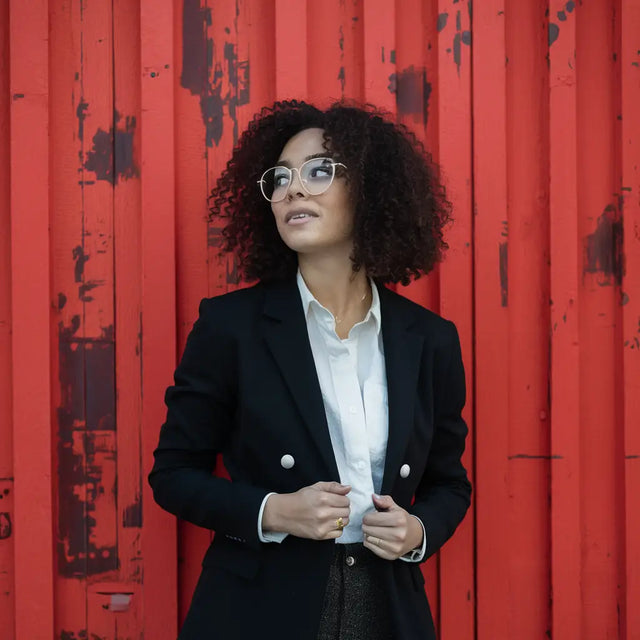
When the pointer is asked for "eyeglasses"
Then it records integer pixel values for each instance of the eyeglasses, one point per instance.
(316, 176)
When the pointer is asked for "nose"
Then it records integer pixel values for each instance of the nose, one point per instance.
(295, 186)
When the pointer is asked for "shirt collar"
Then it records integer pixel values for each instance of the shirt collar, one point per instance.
(308, 299)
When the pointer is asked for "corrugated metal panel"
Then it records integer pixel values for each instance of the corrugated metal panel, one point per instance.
(115, 120)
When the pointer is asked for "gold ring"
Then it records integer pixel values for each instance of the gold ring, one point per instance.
(339, 524)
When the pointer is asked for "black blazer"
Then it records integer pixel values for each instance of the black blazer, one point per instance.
(247, 387)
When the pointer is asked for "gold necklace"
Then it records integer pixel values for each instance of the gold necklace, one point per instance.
(339, 320)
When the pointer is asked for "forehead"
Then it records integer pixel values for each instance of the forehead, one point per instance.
(305, 143)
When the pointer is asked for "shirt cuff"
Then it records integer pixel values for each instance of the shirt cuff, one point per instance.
(268, 536)
(415, 555)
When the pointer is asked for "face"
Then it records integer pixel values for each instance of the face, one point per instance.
(313, 223)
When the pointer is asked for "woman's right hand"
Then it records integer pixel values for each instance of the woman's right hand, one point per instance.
(311, 512)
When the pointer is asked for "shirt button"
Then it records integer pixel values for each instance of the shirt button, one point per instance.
(353, 409)
(405, 470)
(287, 461)
(360, 465)
(350, 560)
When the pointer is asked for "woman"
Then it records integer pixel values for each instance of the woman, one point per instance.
(335, 402)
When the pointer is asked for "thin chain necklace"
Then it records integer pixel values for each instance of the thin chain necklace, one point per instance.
(339, 320)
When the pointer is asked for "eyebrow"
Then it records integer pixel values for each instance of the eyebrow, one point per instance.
(285, 163)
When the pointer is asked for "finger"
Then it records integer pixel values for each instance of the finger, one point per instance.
(382, 503)
(379, 551)
(386, 534)
(333, 487)
(383, 518)
(339, 522)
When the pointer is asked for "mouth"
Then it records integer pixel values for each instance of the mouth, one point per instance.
(299, 215)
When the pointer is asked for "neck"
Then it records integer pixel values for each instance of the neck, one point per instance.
(337, 287)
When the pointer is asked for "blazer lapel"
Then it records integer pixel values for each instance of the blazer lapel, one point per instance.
(285, 332)
(402, 354)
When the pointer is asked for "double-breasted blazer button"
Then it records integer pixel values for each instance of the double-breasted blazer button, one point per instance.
(287, 461)
(350, 560)
(405, 470)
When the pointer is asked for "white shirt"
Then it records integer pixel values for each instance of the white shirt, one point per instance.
(353, 382)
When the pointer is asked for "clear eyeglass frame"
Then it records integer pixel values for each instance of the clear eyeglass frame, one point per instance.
(303, 183)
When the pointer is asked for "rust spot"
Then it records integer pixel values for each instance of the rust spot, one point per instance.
(554, 32)
(442, 21)
(603, 249)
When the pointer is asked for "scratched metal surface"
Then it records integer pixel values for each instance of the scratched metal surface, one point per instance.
(115, 120)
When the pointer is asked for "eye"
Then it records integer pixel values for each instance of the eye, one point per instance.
(321, 170)
(280, 179)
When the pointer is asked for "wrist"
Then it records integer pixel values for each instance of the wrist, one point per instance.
(272, 516)
(415, 534)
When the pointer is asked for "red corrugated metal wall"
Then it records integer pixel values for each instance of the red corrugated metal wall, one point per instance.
(116, 116)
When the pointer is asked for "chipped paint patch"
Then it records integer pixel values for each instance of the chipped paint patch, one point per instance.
(111, 157)
(603, 249)
(5, 525)
(86, 451)
(413, 91)
(220, 85)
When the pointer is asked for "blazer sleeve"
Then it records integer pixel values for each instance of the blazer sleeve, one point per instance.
(200, 421)
(444, 493)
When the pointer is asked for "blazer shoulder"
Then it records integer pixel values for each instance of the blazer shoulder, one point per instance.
(424, 320)
(233, 303)
(231, 314)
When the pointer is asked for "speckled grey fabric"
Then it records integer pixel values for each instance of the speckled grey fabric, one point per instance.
(355, 605)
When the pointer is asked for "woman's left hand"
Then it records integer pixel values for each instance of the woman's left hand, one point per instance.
(390, 531)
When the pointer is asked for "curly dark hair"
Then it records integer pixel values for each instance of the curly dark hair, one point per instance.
(400, 205)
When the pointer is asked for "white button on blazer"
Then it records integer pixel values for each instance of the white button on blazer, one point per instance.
(405, 470)
(287, 461)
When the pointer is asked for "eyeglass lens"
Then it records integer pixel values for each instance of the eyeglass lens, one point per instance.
(316, 176)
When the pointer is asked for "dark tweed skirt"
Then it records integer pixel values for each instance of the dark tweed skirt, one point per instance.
(355, 605)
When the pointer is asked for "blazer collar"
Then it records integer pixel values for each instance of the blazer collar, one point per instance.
(285, 331)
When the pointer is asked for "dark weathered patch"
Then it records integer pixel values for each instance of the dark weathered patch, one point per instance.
(5, 525)
(603, 249)
(412, 91)
(442, 21)
(554, 32)
(80, 258)
(81, 114)
(86, 412)
(205, 79)
(111, 157)
(132, 516)
(504, 273)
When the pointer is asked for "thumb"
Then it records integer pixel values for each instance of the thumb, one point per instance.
(382, 503)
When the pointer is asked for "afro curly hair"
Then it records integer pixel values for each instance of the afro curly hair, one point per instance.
(400, 205)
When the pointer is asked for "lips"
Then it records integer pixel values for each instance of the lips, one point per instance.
(299, 214)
